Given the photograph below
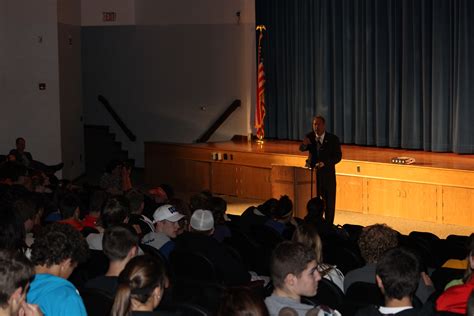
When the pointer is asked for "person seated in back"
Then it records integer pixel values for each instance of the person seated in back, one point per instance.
(115, 212)
(218, 209)
(373, 242)
(57, 250)
(69, 208)
(294, 273)
(166, 219)
(120, 245)
(397, 276)
(97, 202)
(26, 159)
(255, 216)
(142, 224)
(282, 218)
(199, 239)
(455, 298)
(116, 178)
(16, 274)
(316, 208)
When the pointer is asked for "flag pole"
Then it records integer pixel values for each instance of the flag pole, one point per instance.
(260, 106)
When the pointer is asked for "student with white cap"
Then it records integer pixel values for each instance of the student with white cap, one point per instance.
(199, 239)
(165, 219)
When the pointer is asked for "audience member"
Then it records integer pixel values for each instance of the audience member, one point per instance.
(115, 212)
(116, 178)
(281, 219)
(199, 239)
(455, 298)
(241, 301)
(294, 274)
(142, 224)
(16, 273)
(12, 230)
(316, 208)
(307, 235)
(218, 209)
(26, 159)
(141, 286)
(97, 202)
(166, 219)
(120, 245)
(373, 242)
(69, 208)
(397, 276)
(254, 216)
(57, 250)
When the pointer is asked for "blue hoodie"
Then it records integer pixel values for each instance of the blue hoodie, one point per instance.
(55, 296)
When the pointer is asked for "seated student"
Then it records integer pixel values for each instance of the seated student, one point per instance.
(120, 245)
(116, 178)
(239, 301)
(16, 272)
(166, 219)
(26, 159)
(307, 235)
(218, 209)
(254, 216)
(316, 208)
(57, 250)
(115, 212)
(455, 298)
(281, 219)
(199, 239)
(142, 224)
(397, 276)
(141, 287)
(69, 208)
(97, 202)
(373, 242)
(294, 273)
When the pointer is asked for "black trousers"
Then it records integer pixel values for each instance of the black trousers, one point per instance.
(326, 187)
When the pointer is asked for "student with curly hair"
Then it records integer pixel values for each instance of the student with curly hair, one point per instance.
(16, 272)
(55, 253)
(141, 286)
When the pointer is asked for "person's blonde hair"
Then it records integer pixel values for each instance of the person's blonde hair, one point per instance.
(307, 235)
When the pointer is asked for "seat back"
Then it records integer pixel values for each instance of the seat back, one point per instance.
(361, 294)
(329, 294)
(192, 266)
(96, 301)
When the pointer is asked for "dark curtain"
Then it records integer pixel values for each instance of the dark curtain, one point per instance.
(391, 73)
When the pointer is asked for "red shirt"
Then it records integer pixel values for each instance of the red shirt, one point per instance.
(454, 299)
(73, 222)
(90, 221)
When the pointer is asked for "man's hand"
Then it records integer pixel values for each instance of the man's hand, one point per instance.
(306, 141)
(29, 310)
(319, 165)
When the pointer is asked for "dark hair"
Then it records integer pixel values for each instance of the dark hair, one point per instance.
(18, 140)
(399, 270)
(58, 242)
(315, 208)
(25, 207)
(68, 205)
(97, 201)
(470, 248)
(135, 199)
(284, 208)
(115, 212)
(319, 116)
(200, 201)
(137, 281)
(15, 272)
(268, 207)
(12, 230)
(218, 209)
(240, 301)
(375, 240)
(289, 257)
(117, 242)
(111, 165)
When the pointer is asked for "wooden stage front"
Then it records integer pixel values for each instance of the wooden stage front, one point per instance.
(438, 187)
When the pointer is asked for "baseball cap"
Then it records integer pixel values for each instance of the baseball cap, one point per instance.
(167, 212)
(202, 220)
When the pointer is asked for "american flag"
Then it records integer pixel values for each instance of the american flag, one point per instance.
(260, 108)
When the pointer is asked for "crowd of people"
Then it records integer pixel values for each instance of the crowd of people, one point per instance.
(59, 240)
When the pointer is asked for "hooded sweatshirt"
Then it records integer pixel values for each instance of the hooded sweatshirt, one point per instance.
(55, 296)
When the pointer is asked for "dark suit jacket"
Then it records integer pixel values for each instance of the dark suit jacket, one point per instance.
(19, 157)
(329, 153)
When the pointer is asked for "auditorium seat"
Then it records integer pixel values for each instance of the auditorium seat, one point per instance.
(96, 301)
(192, 266)
(329, 294)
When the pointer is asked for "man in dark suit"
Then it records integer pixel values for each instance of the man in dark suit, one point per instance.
(325, 153)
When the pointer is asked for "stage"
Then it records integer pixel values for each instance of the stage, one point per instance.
(438, 187)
